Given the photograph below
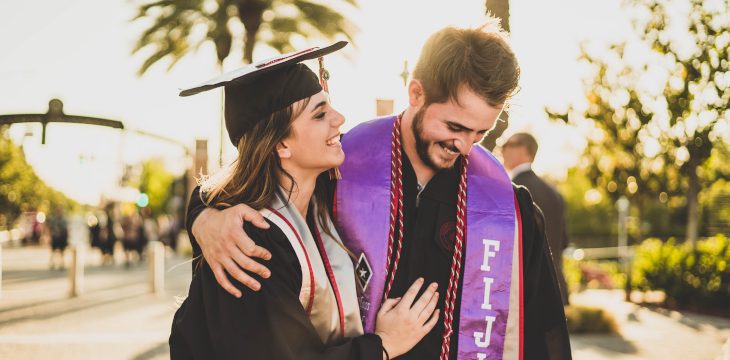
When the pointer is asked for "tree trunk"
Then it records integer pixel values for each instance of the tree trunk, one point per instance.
(251, 15)
(500, 10)
(248, 46)
(490, 141)
(692, 204)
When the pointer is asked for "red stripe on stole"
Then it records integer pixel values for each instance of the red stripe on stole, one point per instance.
(306, 255)
(522, 294)
(331, 275)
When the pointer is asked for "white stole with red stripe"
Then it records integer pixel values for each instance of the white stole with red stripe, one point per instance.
(328, 293)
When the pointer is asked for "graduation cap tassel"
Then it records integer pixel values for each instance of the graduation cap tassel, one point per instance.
(395, 241)
(324, 75)
(450, 301)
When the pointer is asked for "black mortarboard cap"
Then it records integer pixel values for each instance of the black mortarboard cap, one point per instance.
(255, 91)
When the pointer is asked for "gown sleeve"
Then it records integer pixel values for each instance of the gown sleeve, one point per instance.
(545, 328)
(195, 207)
(268, 324)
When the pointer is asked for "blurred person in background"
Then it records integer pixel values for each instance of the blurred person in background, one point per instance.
(132, 239)
(58, 229)
(94, 231)
(518, 154)
(110, 233)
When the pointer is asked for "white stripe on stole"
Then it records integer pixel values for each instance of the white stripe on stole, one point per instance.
(305, 294)
(512, 332)
(324, 315)
(512, 338)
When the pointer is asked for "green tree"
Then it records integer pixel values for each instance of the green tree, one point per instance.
(177, 26)
(619, 158)
(655, 143)
(156, 182)
(500, 10)
(697, 93)
(20, 188)
(715, 199)
(589, 213)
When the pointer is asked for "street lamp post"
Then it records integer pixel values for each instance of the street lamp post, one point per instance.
(622, 205)
(55, 114)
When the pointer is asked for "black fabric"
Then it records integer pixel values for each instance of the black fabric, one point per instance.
(195, 207)
(427, 246)
(549, 200)
(252, 99)
(255, 91)
(268, 324)
(264, 66)
(545, 327)
(429, 235)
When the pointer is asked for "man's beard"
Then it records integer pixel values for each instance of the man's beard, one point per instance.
(421, 144)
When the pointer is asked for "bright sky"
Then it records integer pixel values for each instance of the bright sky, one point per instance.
(80, 52)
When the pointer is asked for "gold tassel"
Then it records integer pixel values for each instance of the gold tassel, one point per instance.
(324, 75)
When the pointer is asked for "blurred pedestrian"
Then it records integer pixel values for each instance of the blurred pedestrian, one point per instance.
(174, 225)
(130, 241)
(110, 233)
(147, 231)
(58, 228)
(518, 154)
(94, 231)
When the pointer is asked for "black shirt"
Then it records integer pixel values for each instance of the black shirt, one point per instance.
(428, 243)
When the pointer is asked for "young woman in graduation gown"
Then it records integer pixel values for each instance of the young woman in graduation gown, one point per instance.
(287, 136)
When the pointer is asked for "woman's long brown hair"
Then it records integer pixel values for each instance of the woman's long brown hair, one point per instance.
(254, 177)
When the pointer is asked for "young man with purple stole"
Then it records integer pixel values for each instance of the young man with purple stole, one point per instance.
(418, 198)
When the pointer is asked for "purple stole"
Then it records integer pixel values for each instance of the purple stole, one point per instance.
(362, 218)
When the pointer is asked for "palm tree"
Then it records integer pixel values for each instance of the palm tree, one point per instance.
(180, 27)
(500, 10)
(176, 26)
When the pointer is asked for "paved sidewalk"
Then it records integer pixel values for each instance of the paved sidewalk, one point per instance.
(115, 318)
(650, 334)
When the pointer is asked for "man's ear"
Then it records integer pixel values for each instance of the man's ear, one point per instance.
(283, 151)
(416, 93)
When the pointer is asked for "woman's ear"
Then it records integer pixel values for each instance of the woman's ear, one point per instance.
(283, 151)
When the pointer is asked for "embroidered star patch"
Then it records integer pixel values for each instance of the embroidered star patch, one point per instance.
(363, 271)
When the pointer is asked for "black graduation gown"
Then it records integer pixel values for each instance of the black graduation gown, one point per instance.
(428, 242)
(268, 324)
(429, 230)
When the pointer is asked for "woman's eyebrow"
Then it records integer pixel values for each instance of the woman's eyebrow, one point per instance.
(321, 103)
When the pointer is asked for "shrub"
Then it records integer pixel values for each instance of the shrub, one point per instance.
(696, 277)
(591, 274)
(583, 319)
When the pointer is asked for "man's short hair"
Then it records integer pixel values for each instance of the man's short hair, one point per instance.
(527, 141)
(479, 58)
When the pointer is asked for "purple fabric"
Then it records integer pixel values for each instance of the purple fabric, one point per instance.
(362, 220)
(490, 214)
(363, 205)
